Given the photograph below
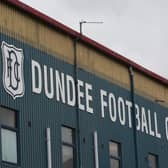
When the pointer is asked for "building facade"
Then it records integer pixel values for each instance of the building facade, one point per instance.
(68, 102)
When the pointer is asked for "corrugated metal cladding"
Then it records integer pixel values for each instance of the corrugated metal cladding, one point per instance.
(104, 107)
(37, 112)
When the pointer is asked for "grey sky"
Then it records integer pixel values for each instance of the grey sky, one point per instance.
(137, 29)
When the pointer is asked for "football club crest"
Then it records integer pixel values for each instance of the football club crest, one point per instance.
(13, 78)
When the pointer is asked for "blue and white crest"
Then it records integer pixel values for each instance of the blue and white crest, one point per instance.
(13, 78)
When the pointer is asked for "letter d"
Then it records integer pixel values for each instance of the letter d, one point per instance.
(36, 77)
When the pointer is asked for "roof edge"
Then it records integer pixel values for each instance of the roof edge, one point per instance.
(52, 22)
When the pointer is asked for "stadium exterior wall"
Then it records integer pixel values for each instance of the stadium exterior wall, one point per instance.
(54, 68)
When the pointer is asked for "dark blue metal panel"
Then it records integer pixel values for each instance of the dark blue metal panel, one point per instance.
(37, 112)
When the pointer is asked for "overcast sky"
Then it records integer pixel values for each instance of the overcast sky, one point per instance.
(137, 29)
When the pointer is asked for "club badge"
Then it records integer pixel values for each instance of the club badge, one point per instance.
(13, 78)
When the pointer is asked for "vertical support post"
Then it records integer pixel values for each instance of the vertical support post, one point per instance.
(78, 150)
(49, 158)
(131, 72)
(96, 149)
(80, 25)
